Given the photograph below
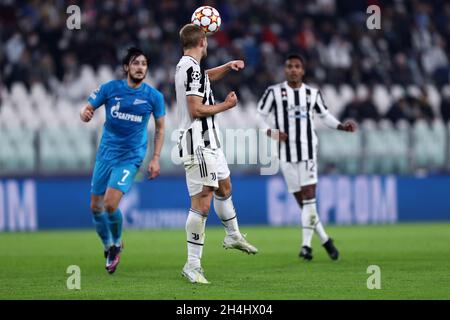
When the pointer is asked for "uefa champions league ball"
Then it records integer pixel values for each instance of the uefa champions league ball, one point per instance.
(207, 18)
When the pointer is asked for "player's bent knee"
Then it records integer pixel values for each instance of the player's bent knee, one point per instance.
(201, 207)
(307, 196)
(111, 207)
(96, 205)
(223, 191)
(204, 205)
(202, 202)
(95, 208)
(308, 192)
(204, 208)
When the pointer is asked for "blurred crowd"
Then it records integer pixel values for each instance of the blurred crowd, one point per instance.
(409, 49)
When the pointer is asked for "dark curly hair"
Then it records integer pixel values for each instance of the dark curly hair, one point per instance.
(132, 54)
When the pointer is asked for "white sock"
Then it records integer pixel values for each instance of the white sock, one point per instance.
(227, 214)
(195, 233)
(309, 221)
(321, 233)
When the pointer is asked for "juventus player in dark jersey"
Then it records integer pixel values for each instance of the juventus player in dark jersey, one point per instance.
(293, 104)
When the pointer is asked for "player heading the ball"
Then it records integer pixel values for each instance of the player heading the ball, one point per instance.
(207, 172)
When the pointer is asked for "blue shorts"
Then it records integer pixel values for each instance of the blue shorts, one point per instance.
(118, 177)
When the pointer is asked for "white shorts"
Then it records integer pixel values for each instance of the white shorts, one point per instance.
(206, 168)
(299, 174)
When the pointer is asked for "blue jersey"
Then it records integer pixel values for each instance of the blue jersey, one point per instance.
(128, 110)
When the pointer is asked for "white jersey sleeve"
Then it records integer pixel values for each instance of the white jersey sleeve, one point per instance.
(328, 119)
(195, 81)
(266, 101)
(320, 106)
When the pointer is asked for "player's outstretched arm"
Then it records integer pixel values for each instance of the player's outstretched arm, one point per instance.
(86, 113)
(219, 72)
(199, 110)
(153, 166)
(349, 126)
(331, 122)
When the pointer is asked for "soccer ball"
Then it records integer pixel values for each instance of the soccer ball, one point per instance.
(208, 18)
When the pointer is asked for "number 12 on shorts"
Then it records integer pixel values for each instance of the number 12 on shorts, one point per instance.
(310, 165)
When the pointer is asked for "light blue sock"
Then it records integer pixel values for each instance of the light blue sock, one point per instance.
(101, 222)
(115, 225)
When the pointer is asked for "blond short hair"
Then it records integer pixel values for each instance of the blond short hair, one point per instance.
(191, 35)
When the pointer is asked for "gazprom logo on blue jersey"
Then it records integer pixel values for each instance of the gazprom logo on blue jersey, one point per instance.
(124, 116)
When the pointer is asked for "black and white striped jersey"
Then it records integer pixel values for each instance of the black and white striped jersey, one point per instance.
(192, 79)
(293, 111)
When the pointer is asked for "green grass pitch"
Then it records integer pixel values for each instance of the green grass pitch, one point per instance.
(414, 260)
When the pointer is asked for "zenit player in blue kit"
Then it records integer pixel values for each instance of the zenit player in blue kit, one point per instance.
(128, 106)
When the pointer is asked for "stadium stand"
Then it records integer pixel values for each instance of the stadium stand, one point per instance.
(394, 81)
